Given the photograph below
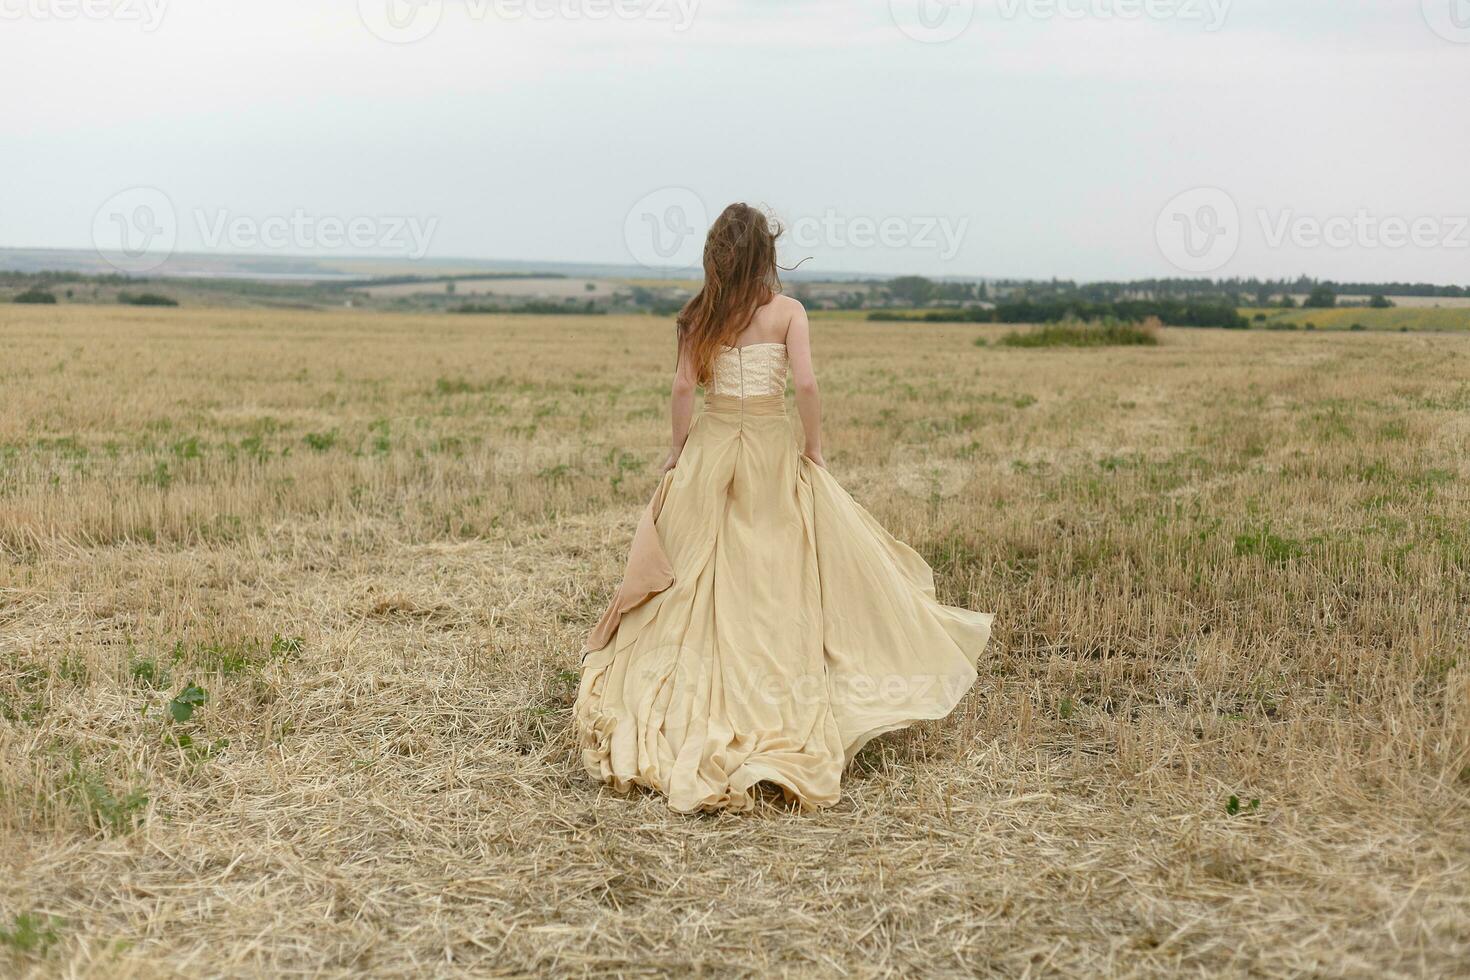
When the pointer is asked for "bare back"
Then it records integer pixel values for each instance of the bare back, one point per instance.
(782, 321)
(771, 322)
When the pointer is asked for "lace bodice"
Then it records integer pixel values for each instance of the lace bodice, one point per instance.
(747, 372)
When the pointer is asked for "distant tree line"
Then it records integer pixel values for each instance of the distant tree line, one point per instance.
(450, 279)
(45, 278)
(1386, 288)
(1173, 313)
(653, 302)
(538, 307)
(918, 291)
(1251, 291)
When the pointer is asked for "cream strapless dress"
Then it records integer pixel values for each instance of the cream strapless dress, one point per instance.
(767, 626)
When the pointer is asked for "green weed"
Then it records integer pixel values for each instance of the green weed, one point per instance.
(30, 933)
(101, 807)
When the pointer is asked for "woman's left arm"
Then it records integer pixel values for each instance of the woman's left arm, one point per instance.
(681, 408)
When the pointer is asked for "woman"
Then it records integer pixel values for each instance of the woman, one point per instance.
(767, 627)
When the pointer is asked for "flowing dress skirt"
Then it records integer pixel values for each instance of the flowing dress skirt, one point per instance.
(767, 627)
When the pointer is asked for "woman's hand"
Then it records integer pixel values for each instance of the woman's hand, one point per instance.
(815, 455)
(669, 463)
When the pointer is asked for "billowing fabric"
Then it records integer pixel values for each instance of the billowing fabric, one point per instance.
(767, 626)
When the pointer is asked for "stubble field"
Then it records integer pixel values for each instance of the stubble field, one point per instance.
(290, 606)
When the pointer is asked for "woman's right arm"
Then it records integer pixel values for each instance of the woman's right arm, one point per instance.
(804, 379)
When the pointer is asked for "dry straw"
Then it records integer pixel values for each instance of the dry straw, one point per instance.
(1233, 565)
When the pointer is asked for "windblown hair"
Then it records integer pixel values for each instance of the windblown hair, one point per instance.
(739, 278)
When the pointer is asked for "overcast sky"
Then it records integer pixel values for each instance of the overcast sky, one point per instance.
(1019, 138)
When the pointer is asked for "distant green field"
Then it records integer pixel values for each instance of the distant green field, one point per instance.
(1346, 317)
(857, 314)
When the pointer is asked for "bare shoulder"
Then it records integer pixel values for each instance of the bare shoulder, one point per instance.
(791, 311)
(789, 305)
(797, 337)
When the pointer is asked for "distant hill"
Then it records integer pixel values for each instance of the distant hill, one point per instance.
(211, 265)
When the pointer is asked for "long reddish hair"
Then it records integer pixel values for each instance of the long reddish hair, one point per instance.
(739, 278)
